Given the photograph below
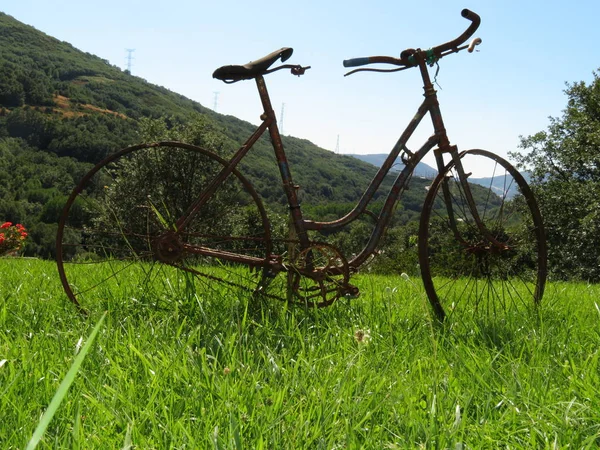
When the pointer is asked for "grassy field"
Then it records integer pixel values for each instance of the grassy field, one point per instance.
(217, 371)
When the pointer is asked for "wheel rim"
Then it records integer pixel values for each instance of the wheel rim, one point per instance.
(117, 235)
(466, 272)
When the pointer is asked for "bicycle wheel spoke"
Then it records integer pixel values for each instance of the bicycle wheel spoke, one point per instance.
(489, 193)
(501, 268)
(118, 237)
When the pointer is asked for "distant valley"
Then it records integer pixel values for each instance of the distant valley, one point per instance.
(498, 183)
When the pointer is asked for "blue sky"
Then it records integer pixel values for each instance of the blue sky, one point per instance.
(509, 88)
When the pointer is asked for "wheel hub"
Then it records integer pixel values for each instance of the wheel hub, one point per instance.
(168, 247)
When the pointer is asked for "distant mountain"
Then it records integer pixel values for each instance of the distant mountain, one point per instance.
(422, 169)
(499, 184)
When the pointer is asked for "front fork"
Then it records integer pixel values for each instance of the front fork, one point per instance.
(445, 147)
(468, 196)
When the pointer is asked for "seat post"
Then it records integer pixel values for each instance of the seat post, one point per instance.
(265, 100)
(291, 190)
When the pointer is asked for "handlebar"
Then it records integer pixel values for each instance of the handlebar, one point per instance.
(475, 22)
(405, 58)
(356, 62)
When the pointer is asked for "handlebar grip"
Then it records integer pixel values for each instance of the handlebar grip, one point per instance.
(453, 44)
(355, 62)
(470, 15)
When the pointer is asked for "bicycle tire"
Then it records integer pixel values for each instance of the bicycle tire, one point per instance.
(463, 272)
(116, 237)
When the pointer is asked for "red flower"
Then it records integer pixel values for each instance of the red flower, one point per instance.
(11, 238)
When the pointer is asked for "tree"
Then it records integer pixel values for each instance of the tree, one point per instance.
(564, 162)
(30, 125)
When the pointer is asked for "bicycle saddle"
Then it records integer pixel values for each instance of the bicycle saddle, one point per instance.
(253, 68)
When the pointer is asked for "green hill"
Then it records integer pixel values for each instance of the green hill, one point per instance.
(377, 159)
(70, 103)
(62, 110)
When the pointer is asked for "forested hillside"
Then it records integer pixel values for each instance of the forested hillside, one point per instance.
(62, 110)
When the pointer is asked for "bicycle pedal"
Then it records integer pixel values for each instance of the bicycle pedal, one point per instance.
(350, 291)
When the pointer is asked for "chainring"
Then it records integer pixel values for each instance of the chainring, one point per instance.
(318, 276)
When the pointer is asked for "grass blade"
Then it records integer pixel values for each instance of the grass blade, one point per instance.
(62, 390)
(128, 443)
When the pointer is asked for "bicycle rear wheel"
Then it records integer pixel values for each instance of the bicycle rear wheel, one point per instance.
(117, 237)
(464, 271)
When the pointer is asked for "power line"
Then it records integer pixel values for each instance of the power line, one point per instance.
(281, 118)
(129, 58)
(216, 100)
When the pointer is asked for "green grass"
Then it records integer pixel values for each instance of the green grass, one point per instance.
(217, 371)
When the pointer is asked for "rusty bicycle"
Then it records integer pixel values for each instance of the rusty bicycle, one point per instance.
(159, 218)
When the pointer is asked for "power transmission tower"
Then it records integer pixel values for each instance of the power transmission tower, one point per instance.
(281, 118)
(216, 99)
(129, 58)
(337, 146)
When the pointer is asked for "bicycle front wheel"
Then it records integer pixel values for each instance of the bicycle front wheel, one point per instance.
(118, 239)
(467, 270)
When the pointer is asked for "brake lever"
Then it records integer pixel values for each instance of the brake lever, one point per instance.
(475, 42)
(376, 70)
(295, 69)
(299, 70)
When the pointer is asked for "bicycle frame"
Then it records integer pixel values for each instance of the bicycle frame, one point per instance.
(439, 139)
